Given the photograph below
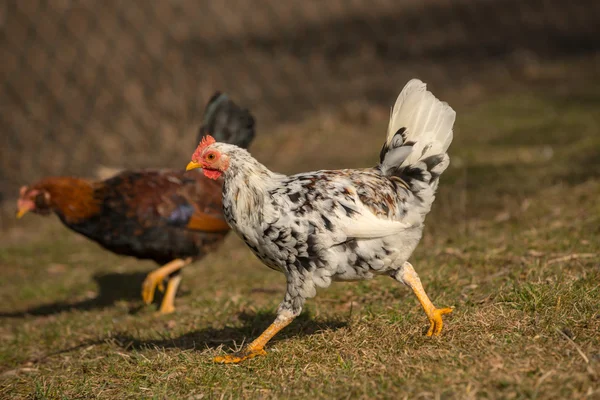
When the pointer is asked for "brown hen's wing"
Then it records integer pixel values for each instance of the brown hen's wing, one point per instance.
(169, 198)
(194, 203)
(204, 197)
(207, 223)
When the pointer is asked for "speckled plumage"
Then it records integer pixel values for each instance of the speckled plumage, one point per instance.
(341, 225)
(325, 226)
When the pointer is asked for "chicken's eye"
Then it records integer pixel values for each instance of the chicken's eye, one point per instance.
(211, 157)
(40, 200)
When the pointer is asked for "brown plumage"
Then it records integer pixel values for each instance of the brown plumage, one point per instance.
(170, 217)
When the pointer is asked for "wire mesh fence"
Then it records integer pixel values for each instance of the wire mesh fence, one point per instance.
(123, 82)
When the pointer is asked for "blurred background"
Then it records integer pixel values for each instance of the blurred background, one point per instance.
(87, 86)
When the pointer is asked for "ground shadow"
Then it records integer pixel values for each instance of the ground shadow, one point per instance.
(112, 287)
(253, 325)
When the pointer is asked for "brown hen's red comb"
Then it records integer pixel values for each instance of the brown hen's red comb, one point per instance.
(206, 141)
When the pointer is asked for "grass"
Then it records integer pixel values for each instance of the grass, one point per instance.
(512, 243)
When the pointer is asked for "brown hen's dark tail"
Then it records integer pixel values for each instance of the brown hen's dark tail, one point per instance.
(227, 122)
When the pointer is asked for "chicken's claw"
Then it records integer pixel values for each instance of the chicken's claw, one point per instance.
(257, 347)
(240, 356)
(435, 319)
(151, 283)
(155, 280)
(164, 311)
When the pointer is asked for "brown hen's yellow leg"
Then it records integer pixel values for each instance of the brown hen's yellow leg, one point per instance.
(410, 278)
(155, 279)
(168, 304)
(257, 347)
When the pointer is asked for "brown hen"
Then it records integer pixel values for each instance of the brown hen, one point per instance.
(171, 217)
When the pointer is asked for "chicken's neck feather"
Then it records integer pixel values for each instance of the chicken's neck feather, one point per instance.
(246, 185)
(73, 199)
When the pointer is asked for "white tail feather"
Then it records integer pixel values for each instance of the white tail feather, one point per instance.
(427, 120)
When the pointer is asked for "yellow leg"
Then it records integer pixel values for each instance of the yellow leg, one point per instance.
(257, 347)
(155, 278)
(410, 278)
(167, 306)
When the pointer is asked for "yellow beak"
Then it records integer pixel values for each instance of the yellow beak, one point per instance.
(21, 212)
(193, 165)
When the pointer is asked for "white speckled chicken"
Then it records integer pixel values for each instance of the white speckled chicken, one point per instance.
(340, 225)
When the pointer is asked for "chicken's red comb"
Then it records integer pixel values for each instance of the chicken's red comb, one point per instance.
(206, 141)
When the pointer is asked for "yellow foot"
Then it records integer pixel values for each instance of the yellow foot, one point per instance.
(435, 318)
(151, 283)
(240, 356)
(165, 311)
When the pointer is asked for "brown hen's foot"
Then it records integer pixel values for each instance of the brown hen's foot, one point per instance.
(168, 304)
(435, 319)
(240, 356)
(155, 280)
(152, 282)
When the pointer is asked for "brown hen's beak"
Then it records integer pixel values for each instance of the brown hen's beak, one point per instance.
(21, 212)
(193, 165)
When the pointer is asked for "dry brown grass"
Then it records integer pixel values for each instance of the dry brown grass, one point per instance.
(512, 244)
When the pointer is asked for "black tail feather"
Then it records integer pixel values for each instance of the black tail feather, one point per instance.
(425, 173)
(227, 122)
